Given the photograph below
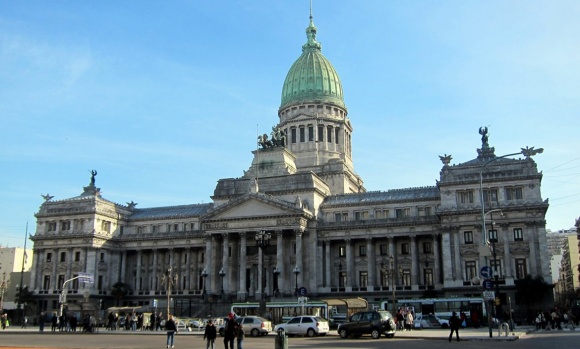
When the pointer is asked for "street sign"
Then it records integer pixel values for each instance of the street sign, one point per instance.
(486, 272)
(302, 291)
(489, 295)
(487, 284)
(86, 278)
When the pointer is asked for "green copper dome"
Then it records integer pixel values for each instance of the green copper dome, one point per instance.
(312, 78)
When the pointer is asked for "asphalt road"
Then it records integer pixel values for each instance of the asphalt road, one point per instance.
(536, 340)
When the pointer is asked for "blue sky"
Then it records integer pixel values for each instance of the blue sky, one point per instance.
(163, 98)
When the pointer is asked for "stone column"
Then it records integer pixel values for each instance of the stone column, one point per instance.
(242, 292)
(190, 264)
(447, 260)
(506, 251)
(457, 274)
(414, 262)
(33, 269)
(281, 261)
(138, 273)
(124, 266)
(225, 250)
(531, 233)
(349, 264)
(55, 285)
(299, 257)
(371, 263)
(154, 283)
(436, 260)
(328, 263)
(69, 259)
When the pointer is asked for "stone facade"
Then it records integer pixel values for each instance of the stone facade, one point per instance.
(322, 222)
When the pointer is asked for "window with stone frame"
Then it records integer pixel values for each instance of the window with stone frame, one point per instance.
(310, 133)
(405, 248)
(384, 249)
(424, 211)
(465, 196)
(62, 257)
(65, 225)
(518, 234)
(48, 257)
(139, 230)
(293, 134)
(341, 279)
(362, 250)
(336, 135)
(46, 282)
(406, 277)
(51, 226)
(490, 195)
(302, 134)
(427, 247)
(468, 237)
(381, 214)
(60, 281)
(342, 251)
(521, 268)
(495, 265)
(361, 215)
(402, 212)
(470, 270)
(329, 134)
(492, 235)
(428, 276)
(363, 279)
(320, 137)
(77, 256)
(514, 193)
(341, 216)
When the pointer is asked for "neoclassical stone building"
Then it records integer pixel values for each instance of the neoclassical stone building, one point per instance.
(307, 196)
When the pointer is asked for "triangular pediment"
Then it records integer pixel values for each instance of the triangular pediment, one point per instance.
(254, 206)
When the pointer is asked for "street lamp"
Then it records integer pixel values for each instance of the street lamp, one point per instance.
(222, 274)
(296, 271)
(3, 287)
(168, 279)
(392, 275)
(203, 277)
(276, 272)
(262, 240)
(528, 153)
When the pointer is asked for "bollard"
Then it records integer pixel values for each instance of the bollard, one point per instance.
(281, 341)
(505, 328)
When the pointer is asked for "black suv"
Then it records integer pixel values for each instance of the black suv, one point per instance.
(374, 323)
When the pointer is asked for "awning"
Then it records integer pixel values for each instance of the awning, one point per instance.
(350, 303)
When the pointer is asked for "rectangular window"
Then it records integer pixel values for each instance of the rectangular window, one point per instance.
(46, 282)
(402, 212)
(139, 230)
(521, 269)
(336, 135)
(77, 256)
(384, 250)
(102, 258)
(100, 282)
(175, 227)
(341, 279)
(51, 226)
(75, 282)
(361, 215)
(363, 278)
(340, 217)
(490, 195)
(329, 134)
(514, 193)
(65, 225)
(154, 229)
(496, 267)
(381, 214)
(362, 250)
(470, 270)
(320, 133)
(428, 276)
(49, 257)
(492, 235)
(427, 247)
(302, 134)
(63, 257)
(423, 211)
(293, 134)
(310, 133)
(406, 277)
(518, 234)
(465, 196)
(342, 251)
(405, 248)
(106, 226)
(384, 278)
(60, 281)
(468, 237)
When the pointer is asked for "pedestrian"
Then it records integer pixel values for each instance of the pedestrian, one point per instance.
(400, 319)
(454, 323)
(240, 335)
(210, 334)
(171, 330)
(41, 322)
(409, 321)
(25, 322)
(229, 331)
(4, 320)
(54, 322)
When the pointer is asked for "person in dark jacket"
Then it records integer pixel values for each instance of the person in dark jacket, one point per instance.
(210, 334)
(171, 330)
(229, 331)
(454, 323)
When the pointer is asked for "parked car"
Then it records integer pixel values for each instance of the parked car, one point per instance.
(375, 323)
(429, 321)
(253, 325)
(305, 326)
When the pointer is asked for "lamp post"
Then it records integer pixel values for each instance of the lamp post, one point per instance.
(392, 274)
(296, 271)
(222, 274)
(262, 240)
(3, 287)
(168, 279)
(528, 153)
(203, 277)
(276, 272)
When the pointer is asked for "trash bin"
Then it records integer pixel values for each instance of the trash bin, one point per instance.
(281, 340)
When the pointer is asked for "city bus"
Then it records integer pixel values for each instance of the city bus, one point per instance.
(281, 311)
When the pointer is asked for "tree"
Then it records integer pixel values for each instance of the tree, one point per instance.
(119, 290)
(531, 291)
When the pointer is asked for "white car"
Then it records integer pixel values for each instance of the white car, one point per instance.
(305, 326)
(429, 321)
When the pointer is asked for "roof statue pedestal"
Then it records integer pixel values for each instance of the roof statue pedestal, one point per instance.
(271, 162)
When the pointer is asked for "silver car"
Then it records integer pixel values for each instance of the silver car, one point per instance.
(305, 326)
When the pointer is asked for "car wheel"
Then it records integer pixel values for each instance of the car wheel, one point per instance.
(375, 334)
(343, 333)
(311, 332)
(255, 332)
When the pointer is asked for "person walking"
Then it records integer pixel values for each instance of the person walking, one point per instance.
(210, 334)
(171, 330)
(54, 322)
(229, 331)
(454, 323)
(240, 335)
(41, 320)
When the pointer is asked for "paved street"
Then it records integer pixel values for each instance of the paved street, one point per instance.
(473, 338)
